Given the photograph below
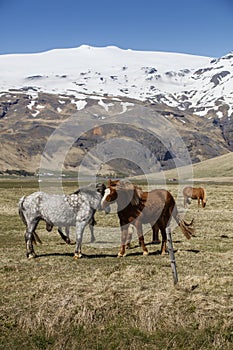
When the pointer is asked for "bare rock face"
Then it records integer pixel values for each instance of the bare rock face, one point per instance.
(26, 125)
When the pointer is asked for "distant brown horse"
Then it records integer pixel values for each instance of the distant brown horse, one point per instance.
(136, 207)
(198, 193)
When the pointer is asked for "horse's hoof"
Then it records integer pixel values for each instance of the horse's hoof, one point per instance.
(120, 255)
(77, 256)
(128, 246)
(31, 255)
(164, 253)
(68, 241)
(145, 252)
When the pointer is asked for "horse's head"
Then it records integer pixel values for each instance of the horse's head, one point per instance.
(124, 193)
(100, 187)
(204, 200)
(110, 194)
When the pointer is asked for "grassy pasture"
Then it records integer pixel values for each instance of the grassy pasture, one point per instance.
(102, 302)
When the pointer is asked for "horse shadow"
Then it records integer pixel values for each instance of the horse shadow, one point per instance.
(85, 256)
(130, 253)
(94, 256)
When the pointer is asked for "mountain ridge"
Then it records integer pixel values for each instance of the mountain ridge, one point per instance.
(172, 78)
(39, 91)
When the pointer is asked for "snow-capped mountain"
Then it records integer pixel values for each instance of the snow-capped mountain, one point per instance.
(201, 85)
(39, 91)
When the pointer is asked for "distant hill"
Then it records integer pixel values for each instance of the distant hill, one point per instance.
(216, 169)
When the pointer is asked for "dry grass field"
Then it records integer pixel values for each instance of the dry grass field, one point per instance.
(103, 302)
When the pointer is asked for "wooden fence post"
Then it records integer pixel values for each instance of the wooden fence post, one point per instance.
(172, 255)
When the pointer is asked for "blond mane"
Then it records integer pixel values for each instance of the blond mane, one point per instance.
(134, 192)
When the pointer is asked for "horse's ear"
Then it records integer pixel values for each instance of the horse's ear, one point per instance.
(116, 184)
(111, 183)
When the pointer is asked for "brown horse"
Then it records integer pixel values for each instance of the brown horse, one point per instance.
(136, 207)
(198, 193)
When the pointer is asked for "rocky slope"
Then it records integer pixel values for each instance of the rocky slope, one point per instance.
(39, 92)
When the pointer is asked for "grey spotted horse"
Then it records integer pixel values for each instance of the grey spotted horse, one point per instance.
(75, 209)
(66, 236)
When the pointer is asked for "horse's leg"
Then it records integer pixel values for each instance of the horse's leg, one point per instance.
(138, 226)
(65, 237)
(129, 236)
(163, 222)
(185, 202)
(31, 227)
(91, 224)
(91, 227)
(67, 230)
(124, 236)
(155, 234)
(80, 226)
(164, 241)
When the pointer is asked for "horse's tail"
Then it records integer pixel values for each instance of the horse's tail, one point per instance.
(204, 196)
(186, 228)
(20, 209)
(35, 237)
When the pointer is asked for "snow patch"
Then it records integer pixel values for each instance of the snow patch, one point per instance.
(125, 105)
(40, 106)
(219, 114)
(79, 104)
(31, 104)
(35, 114)
(105, 105)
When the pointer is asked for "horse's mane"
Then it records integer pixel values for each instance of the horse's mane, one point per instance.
(92, 188)
(133, 192)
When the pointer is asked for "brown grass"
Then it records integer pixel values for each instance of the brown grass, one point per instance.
(103, 302)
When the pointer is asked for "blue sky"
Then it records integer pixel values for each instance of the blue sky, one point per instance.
(198, 27)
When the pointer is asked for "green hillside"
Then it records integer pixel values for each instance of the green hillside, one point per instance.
(218, 168)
